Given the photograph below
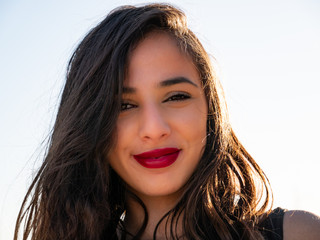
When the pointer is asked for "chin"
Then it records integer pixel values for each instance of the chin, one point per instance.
(158, 191)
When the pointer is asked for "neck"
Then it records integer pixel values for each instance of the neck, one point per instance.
(156, 208)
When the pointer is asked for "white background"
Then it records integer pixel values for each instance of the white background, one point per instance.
(268, 54)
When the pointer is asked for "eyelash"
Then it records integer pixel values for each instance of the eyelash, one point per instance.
(125, 106)
(178, 97)
(174, 98)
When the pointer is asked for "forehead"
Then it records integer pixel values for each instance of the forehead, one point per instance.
(158, 57)
(158, 39)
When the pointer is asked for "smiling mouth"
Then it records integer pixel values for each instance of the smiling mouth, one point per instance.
(158, 158)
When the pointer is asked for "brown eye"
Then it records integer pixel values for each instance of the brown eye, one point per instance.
(127, 106)
(178, 97)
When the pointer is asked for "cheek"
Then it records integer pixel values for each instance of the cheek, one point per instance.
(192, 121)
(125, 132)
(125, 135)
(116, 150)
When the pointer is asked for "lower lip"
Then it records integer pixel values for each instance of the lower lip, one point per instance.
(161, 162)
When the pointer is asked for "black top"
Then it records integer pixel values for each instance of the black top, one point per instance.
(272, 226)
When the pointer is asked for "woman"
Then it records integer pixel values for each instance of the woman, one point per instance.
(142, 147)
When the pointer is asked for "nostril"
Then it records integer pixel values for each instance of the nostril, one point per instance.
(156, 129)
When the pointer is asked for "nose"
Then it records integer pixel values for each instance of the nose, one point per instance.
(154, 125)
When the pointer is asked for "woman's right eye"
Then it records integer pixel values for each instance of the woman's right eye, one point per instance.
(127, 106)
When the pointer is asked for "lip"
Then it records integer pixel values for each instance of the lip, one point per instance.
(158, 158)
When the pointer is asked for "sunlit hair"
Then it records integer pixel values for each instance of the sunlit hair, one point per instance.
(76, 195)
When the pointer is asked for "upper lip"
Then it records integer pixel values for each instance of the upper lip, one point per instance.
(156, 153)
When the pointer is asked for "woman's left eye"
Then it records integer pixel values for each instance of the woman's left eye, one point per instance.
(178, 97)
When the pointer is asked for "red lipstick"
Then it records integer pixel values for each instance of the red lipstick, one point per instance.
(158, 158)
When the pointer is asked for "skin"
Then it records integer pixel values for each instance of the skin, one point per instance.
(301, 225)
(156, 116)
(163, 106)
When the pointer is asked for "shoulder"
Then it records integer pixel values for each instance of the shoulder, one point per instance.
(301, 225)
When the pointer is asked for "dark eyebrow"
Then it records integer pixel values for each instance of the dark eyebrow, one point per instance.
(165, 83)
(176, 80)
(128, 90)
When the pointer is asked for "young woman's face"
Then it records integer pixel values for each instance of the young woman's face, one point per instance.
(161, 130)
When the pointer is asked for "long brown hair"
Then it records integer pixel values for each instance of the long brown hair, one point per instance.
(76, 195)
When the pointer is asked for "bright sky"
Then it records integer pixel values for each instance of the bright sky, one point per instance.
(268, 56)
